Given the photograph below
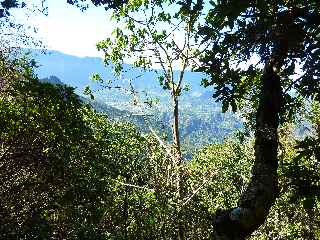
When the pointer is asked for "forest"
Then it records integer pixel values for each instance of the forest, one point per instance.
(242, 161)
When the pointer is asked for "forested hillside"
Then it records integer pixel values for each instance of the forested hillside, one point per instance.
(152, 150)
(69, 172)
(200, 115)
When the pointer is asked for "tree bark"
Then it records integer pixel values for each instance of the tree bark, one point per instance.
(177, 154)
(175, 127)
(256, 201)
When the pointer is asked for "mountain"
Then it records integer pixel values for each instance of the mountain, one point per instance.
(76, 72)
(52, 80)
(201, 119)
(111, 112)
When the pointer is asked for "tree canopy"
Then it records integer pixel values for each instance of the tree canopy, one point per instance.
(69, 172)
(285, 32)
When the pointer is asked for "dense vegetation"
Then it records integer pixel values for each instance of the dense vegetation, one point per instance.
(70, 172)
(199, 115)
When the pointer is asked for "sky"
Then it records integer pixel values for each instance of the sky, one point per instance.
(69, 30)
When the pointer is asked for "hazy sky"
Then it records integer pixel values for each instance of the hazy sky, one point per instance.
(71, 31)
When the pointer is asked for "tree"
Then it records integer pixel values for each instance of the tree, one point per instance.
(285, 37)
(7, 5)
(107, 4)
(220, 166)
(149, 35)
(15, 34)
(294, 215)
(268, 30)
(62, 164)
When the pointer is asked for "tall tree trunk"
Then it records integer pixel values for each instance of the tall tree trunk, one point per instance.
(178, 160)
(256, 201)
(175, 128)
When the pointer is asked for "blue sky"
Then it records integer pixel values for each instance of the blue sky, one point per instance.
(71, 31)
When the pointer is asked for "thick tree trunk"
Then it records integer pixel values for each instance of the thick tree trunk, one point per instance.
(256, 201)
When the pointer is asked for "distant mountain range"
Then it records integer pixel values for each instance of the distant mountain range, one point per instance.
(52, 80)
(201, 119)
(111, 112)
(76, 72)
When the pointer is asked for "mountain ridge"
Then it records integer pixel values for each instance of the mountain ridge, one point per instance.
(200, 115)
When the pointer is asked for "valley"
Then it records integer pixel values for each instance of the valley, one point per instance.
(200, 115)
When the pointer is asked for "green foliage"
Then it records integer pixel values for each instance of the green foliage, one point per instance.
(225, 170)
(60, 162)
(309, 147)
(295, 214)
(70, 173)
(148, 34)
(14, 33)
(248, 34)
(83, 4)
(220, 173)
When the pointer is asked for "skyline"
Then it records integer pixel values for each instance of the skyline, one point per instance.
(69, 30)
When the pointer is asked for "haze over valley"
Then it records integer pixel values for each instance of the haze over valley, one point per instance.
(200, 116)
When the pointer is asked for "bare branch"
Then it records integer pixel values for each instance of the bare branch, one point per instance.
(207, 179)
(162, 144)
